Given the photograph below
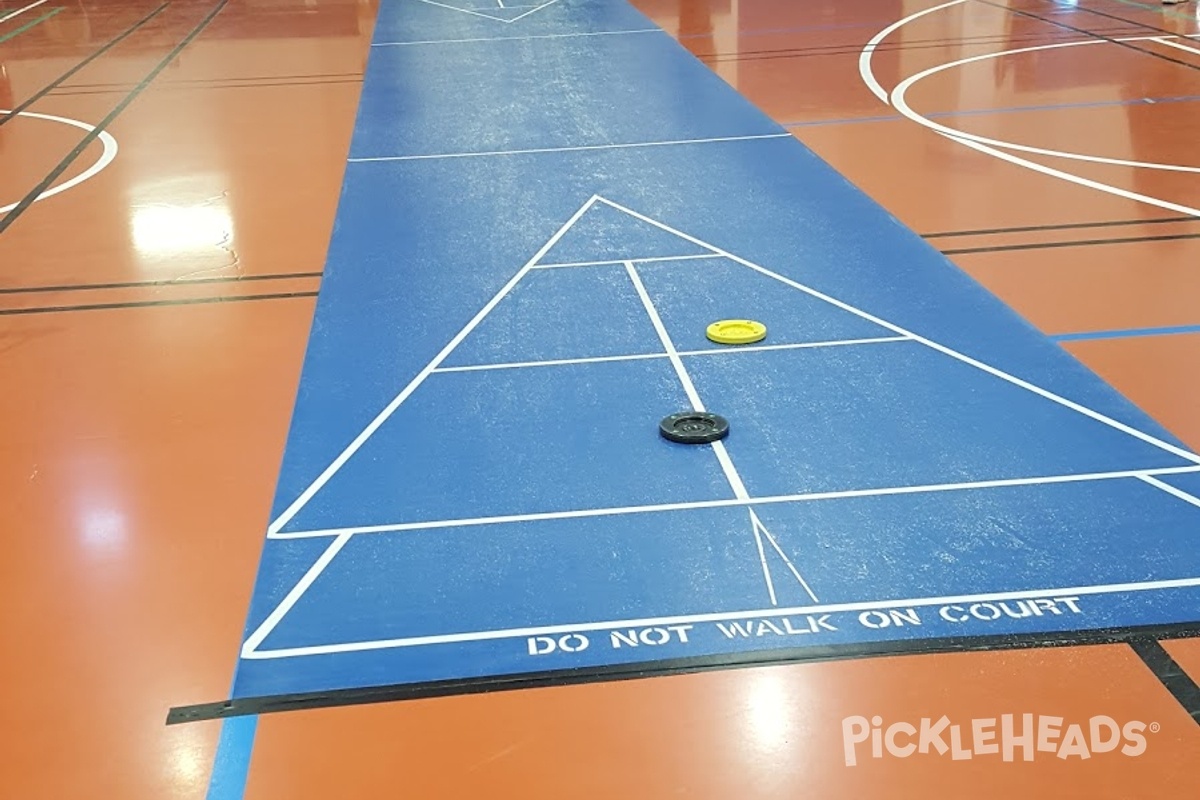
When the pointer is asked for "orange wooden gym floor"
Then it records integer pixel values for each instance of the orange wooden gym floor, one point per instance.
(153, 320)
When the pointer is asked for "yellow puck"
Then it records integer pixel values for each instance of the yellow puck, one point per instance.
(737, 331)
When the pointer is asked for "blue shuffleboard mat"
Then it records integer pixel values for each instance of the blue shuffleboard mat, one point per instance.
(540, 217)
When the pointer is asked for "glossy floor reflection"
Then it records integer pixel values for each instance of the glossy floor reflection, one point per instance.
(154, 316)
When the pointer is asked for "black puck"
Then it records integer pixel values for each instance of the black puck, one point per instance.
(694, 427)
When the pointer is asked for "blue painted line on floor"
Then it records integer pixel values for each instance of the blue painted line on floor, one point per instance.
(1127, 333)
(979, 112)
(231, 767)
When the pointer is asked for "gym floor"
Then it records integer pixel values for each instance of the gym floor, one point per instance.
(169, 185)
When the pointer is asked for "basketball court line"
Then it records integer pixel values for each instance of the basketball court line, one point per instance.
(899, 102)
(987, 112)
(1125, 333)
(1178, 45)
(572, 149)
(98, 131)
(108, 154)
(21, 11)
(31, 24)
(967, 140)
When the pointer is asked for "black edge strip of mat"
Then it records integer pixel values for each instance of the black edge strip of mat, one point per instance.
(1061, 226)
(94, 134)
(247, 706)
(1071, 243)
(45, 90)
(190, 301)
(1095, 35)
(168, 282)
(1169, 673)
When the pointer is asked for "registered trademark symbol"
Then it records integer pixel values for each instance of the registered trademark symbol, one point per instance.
(1155, 727)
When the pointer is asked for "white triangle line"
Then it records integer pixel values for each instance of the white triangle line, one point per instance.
(616, 511)
(553, 362)
(621, 261)
(471, 11)
(757, 523)
(762, 558)
(280, 611)
(530, 11)
(1171, 490)
(726, 351)
(999, 373)
(718, 447)
(396, 402)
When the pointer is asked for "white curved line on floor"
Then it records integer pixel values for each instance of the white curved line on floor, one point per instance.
(866, 71)
(899, 101)
(106, 156)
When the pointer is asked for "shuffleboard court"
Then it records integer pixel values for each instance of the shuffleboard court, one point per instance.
(474, 490)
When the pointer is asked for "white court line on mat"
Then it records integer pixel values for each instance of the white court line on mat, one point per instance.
(572, 149)
(1063, 593)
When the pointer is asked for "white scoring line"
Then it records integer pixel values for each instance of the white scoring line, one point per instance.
(515, 38)
(558, 362)
(578, 148)
(831, 608)
(621, 261)
(734, 502)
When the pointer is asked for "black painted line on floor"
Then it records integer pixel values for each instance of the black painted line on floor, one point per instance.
(1169, 673)
(84, 287)
(191, 301)
(906, 47)
(1064, 226)
(568, 677)
(203, 81)
(94, 134)
(1095, 35)
(45, 90)
(213, 87)
(1000, 248)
